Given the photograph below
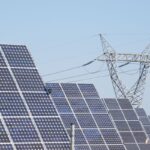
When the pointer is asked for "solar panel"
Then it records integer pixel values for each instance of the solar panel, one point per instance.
(144, 120)
(80, 104)
(127, 123)
(28, 118)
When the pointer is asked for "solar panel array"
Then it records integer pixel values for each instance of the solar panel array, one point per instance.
(101, 124)
(80, 104)
(144, 120)
(126, 121)
(28, 118)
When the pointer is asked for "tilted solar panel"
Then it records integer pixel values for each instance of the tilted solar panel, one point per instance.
(28, 118)
(80, 104)
(127, 123)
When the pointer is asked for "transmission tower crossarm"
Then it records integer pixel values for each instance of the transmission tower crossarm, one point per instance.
(141, 58)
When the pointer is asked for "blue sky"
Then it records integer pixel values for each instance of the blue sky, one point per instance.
(64, 33)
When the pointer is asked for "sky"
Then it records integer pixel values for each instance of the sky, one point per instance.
(62, 34)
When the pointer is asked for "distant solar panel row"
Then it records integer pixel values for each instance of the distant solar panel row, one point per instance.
(144, 120)
(81, 105)
(28, 119)
(127, 123)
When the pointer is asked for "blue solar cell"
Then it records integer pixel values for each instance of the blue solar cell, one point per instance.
(130, 115)
(6, 147)
(3, 135)
(98, 147)
(62, 105)
(17, 56)
(22, 130)
(140, 112)
(116, 147)
(78, 106)
(117, 114)
(122, 125)
(96, 105)
(131, 147)
(28, 79)
(93, 136)
(103, 121)
(51, 129)
(69, 119)
(56, 89)
(30, 146)
(79, 137)
(71, 90)
(88, 90)
(111, 103)
(40, 104)
(140, 137)
(127, 137)
(86, 121)
(147, 129)
(111, 136)
(2, 62)
(135, 125)
(144, 146)
(82, 147)
(58, 146)
(11, 104)
(124, 104)
(144, 120)
(7, 83)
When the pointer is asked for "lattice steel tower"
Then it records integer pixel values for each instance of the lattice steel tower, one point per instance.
(135, 93)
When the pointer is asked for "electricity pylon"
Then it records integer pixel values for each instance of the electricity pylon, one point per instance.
(135, 93)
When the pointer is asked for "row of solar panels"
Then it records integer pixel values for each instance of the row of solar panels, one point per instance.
(30, 119)
(100, 123)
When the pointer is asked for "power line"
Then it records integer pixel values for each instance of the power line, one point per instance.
(91, 73)
(69, 69)
(84, 74)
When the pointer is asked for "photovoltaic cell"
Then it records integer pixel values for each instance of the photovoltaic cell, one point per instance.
(111, 104)
(3, 135)
(130, 115)
(131, 147)
(103, 121)
(79, 137)
(36, 146)
(22, 130)
(71, 90)
(7, 83)
(56, 90)
(40, 104)
(50, 129)
(116, 147)
(96, 105)
(62, 105)
(6, 147)
(122, 125)
(111, 136)
(82, 147)
(28, 79)
(140, 112)
(11, 104)
(17, 56)
(78, 105)
(86, 121)
(98, 147)
(124, 104)
(127, 137)
(93, 136)
(117, 114)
